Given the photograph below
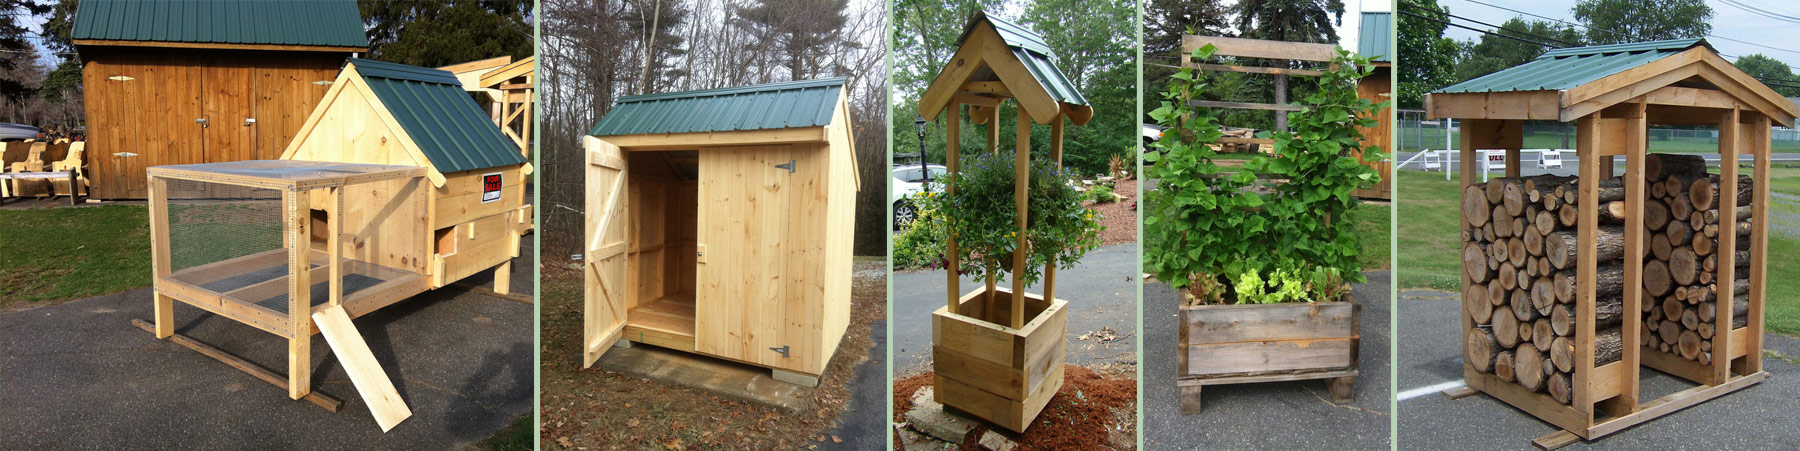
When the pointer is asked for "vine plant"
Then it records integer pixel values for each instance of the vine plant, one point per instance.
(1274, 230)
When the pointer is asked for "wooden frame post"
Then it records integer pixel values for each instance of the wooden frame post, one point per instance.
(299, 237)
(1759, 244)
(1636, 147)
(164, 305)
(1730, 139)
(1588, 145)
(334, 225)
(953, 142)
(1056, 150)
(1022, 202)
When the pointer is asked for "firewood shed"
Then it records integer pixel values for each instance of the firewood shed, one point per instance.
(1570, 285)
(719, 222)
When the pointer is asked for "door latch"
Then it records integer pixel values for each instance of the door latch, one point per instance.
(783, 350)
(789, 166)
(202, 122)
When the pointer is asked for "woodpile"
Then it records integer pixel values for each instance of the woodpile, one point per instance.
(1520, 250)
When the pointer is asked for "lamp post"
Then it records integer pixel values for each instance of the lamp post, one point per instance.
(919, 127)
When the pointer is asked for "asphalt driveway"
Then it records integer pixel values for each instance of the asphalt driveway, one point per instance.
(79, 375)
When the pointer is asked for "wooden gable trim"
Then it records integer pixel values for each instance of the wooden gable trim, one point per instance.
(984, 46)
(219, 46)
(1698, 61)
(842, 123)
(476, 65)
(1693, 97)
(347, 79)
(524, 67)
(673, 141)
(1526, 105)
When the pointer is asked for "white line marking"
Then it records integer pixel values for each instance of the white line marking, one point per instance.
(1422, 391)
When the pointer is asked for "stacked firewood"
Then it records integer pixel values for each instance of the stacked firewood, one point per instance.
(1520, 248)
(1681, 273)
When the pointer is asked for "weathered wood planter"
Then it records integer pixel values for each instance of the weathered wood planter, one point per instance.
(1240, 344)
(998, 373)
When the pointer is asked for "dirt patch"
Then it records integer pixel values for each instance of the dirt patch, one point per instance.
(1120, 218)
(1094, 409)
(596, 408)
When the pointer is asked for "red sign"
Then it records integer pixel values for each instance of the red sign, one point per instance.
(490, 187)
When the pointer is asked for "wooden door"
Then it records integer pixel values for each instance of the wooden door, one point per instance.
(226, 104)
(608, 219)
(745, 209)
(143, 106)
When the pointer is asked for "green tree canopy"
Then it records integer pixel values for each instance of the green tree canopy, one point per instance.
(1617, 21)
(1427, 59)
(1764, 67)
(435, 33)
(1290, 20)
(1494, 53)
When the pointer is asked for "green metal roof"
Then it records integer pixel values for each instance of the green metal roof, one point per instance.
(446, 124)
(1375, 36)
(1031, 50)
(1566, 68)
(804, 103)
(332, 23)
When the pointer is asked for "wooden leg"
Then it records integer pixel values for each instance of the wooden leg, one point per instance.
(503, 278)
(300, 365)
(165, 316)
(1343, 389)
(1190, 399)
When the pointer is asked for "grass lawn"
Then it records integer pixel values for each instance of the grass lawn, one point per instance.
(1428, 230)
(1372, 222)
(518, 436)
(56, 254)
(1433, 138)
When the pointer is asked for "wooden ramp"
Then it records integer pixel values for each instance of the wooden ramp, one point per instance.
(371, 381)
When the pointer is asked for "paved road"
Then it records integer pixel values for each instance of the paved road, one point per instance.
(865, 424)
(1528, 166)
(79, 375)
(1285, 415)
(1102, 292)
(1759, 417)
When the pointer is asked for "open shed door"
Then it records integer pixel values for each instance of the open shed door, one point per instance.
(607, 242)
(741, 303)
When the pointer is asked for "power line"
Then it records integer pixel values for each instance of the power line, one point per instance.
(1627, 36)
(1761, 12)
(1478, 30)
(1497, 27)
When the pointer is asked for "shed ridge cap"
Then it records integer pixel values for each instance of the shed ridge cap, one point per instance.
(397, 71)
(733, 90)
(1626, 47)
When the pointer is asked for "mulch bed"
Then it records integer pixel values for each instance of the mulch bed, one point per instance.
(1090, 411)
(1120, 218)
(599, 409)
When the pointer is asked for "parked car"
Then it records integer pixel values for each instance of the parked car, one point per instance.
(19, 132)
(909, 180)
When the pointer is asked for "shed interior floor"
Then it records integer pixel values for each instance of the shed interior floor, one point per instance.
(666, 322)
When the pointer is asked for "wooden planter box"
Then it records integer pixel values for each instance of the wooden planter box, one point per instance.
(1237, 344)
(994, 372)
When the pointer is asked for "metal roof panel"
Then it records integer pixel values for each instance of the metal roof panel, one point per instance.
(1564, 69)
(442, 120)
(804, 103)
(330, 23)
(1375, 36)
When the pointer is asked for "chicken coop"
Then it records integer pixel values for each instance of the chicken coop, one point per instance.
(996, 352)
(1571, 285)
(292, 248)
(395, 114)
(719, 222)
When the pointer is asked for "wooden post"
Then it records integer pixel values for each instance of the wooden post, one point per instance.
(953, 137)
(299, 218)
(334, 226)
(1021, 202)
(1730, 139)
(1636, 193)
(1588, 145)
(1512, 160)
(993, 136)
(1759, 245)
(164, 306)
(1056, 148)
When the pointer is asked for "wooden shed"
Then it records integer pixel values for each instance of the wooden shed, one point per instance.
(1609, 255)
(1374, 41)
(719, 222)
(395, 114)
(218, 80)
(997, 353)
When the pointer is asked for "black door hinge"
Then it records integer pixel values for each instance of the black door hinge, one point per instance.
(783, 350)
(789, 166)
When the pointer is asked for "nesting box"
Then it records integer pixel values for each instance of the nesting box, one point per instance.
(272, 243)
(719, 222)
(997, 353)
(395, 114)
(1605, 243)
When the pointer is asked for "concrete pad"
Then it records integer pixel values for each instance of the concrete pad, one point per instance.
(929, 417)
(726, 379)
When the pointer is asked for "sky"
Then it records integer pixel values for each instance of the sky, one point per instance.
(1728, 21)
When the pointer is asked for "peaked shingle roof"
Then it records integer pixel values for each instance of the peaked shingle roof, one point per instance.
(447, 125)
(1375, 36)
(1566, 68)
(805, 103)
(1031, 49)
(324, 23)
